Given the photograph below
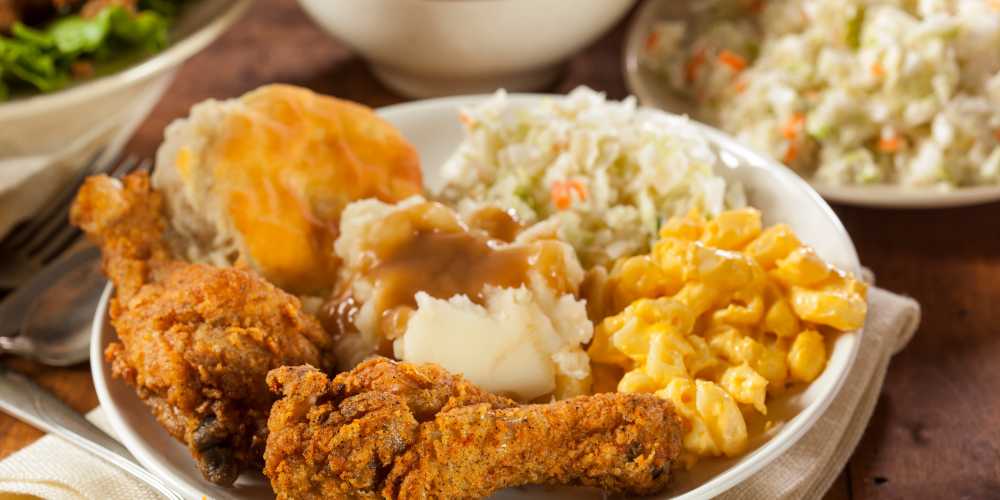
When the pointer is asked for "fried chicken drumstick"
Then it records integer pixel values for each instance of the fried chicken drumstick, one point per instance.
(401, 430)
(195, 341)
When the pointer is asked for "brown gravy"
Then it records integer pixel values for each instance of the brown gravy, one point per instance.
(443, 257)
(497, 222)
(445, 264)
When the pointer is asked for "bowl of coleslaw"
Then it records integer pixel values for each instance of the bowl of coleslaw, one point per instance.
(875, 103)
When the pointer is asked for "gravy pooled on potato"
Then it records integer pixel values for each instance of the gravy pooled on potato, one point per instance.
(393, 254)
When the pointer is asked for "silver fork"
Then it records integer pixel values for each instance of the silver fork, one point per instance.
(39, 241)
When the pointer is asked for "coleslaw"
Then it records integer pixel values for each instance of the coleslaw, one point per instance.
(606, 173)
(847, 91)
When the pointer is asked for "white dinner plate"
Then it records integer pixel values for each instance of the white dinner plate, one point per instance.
(433, 127)
(652, 90)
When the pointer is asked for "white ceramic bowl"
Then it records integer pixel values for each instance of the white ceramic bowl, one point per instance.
(46, 138)
(426, 48)
(654, 91)
(433, 127)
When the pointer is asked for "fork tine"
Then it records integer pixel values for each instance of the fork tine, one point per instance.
(48, 238)
(58, 244)
(133, 166)
(129, 164)
(146, 165)
(29, 230)
(125, 167)
(64, 235)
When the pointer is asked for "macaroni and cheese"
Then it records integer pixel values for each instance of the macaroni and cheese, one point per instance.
(720, 315)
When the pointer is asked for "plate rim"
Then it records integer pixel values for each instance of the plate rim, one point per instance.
(881, 196)
(791, 432)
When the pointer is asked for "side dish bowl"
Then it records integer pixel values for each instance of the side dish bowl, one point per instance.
(434, 129)
(652, 90)
(426, 48)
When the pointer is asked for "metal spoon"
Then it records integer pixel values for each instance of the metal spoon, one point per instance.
(49, 318)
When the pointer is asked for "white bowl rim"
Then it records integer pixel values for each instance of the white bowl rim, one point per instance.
(175, 54)
(876, 196)
(759, 458)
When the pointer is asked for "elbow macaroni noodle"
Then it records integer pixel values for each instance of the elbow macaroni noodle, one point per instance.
(719, 315)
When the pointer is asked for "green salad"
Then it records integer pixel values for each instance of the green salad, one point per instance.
(75, 40)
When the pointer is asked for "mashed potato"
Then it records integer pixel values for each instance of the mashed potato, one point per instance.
(520, 343)
(423, 284)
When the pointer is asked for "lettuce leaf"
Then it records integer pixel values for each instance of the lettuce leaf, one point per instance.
(42, 58)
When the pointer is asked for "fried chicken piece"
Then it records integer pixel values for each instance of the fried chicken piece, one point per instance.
(195, 341)
(401, 430)
(427, 389)
(398, 395)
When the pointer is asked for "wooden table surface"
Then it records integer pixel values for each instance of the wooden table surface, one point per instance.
(936, 430)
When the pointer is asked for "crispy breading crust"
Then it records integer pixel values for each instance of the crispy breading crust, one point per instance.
(399, 430)
(195, 341)
(124, 218)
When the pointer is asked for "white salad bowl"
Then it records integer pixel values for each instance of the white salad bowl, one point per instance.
(426, 48)
(46, 138)
(653, 90)
(433, 127)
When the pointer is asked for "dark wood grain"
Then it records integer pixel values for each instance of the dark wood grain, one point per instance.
(936, 430)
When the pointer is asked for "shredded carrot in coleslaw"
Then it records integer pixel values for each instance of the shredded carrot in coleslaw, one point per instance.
(652, 40)
(697, 59)
(877, 69)
(791, 153)
(740, 86)
(793, 127)
(735, 61)
(561, 193)
(890, 144)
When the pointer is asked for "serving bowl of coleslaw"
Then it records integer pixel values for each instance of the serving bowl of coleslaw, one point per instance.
(875, 103)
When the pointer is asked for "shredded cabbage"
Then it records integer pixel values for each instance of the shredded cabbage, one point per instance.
(608, 172)
(848, 91)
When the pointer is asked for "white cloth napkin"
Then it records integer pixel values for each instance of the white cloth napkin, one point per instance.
(53, 469)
